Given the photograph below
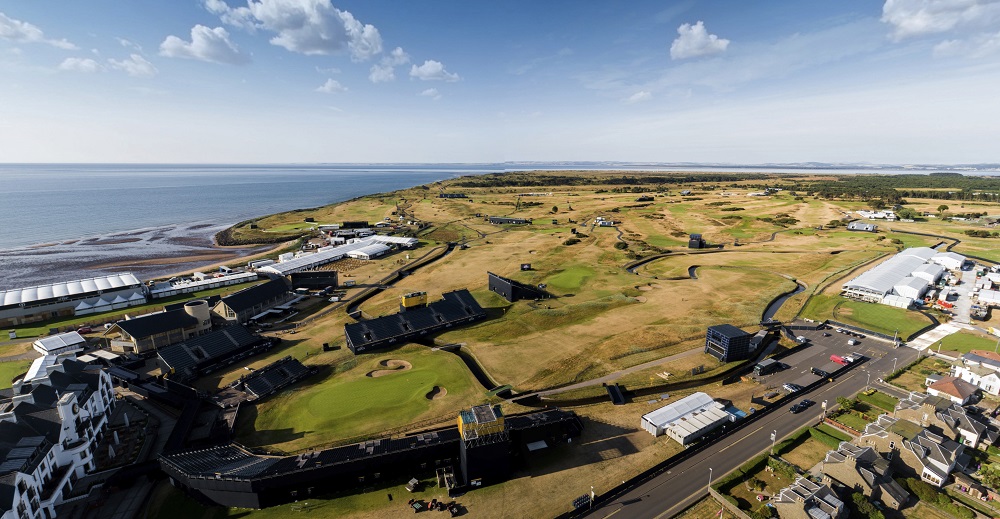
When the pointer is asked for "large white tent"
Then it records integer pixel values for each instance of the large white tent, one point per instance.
(687, 419)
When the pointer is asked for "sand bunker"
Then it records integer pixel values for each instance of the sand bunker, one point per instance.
(394, 365)
(640, 299)
(436, 393)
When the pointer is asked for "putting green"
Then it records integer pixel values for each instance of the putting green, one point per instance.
(352, 404)
(571, 278)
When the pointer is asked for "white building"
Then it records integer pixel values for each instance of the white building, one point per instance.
(329, 255)
(989, 297)
(983, 377)
(952, 388)
(911, 287)
(949, 260)
(80, 297)
(687, 419)
(369, 251)
(50, 424)
(929, 272)
(59, 344)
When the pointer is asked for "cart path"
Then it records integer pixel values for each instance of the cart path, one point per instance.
(618, 374)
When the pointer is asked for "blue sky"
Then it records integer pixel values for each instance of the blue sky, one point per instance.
(276, 81)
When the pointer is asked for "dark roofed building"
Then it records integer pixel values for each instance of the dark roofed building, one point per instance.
(458, 307)
(194, 357)
(861, 469)
(514, 290)
(727, 343)
(695, 241)
(152, 331)
(501, 220)
(241, 306)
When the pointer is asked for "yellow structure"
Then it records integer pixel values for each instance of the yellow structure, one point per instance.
(413, 300)
(481, 420)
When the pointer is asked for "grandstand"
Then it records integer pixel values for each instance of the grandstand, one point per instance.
(202, 355)
(514, 290)
(455, 308)
(230, 475)
(905, 275)
(273, 377)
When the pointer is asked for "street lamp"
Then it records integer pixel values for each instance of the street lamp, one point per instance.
(893, 365)
(823, 405)
(709, 477)
(869, 380)
(774, 435)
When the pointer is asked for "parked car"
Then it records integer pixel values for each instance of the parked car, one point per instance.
(84, 329)
(820, 373)
(792, 388)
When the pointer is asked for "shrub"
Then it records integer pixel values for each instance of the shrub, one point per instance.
(621, 245)
(571, 241)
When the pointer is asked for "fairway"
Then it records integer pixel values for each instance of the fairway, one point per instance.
(354, 404)
(572, 278)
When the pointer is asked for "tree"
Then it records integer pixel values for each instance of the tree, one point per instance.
(876, 204)
(907, 214)
(621, 245)
(942, 208)
(846, 403)
(555, 209)
(990, 475)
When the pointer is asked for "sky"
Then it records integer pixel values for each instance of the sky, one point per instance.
(306, 81)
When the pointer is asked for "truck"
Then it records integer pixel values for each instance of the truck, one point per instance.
(839, 360)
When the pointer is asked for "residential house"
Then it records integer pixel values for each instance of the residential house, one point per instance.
(947, 417)
(953, 388)
(806, 499)
(50, 423)
(861, 469)
(913, 449)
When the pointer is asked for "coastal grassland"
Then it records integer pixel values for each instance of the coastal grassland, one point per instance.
(352, 404)
(11, 369)
(73, 322)
(871, 316)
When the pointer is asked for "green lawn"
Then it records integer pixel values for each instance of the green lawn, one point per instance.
(853, 421)
(571, 278)
(880, 400)
(833, 431)
(351, 404)
(871, 316)
(9, 370)
(965, 341)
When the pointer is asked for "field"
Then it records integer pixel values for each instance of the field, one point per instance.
(870, 316)
(11, 369)
(965, 341)
(352, 403)
(602, 318)
(913, 378)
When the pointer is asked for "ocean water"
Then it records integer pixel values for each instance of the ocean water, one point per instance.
(62, 222)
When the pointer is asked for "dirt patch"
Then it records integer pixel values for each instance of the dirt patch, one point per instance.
(436, 393)
(393, 365)
(641, 299)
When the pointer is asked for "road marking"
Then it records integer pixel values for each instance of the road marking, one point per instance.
(613, 513)
(741, 439)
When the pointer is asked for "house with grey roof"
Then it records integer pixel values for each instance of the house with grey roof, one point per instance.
(950, 419)
(862, 470)
(50, 425)
(913, 449)
(806, 499)
(982, 375)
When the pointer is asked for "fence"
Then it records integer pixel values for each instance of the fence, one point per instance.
(733, 509)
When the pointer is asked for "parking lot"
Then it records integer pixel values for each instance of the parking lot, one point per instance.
(823, 344)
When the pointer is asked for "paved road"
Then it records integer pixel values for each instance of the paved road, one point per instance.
(670, 493)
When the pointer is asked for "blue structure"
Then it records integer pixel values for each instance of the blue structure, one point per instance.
(727, 343)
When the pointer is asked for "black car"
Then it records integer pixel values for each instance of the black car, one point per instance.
(819, 373)
(806, 403)
(797, 408)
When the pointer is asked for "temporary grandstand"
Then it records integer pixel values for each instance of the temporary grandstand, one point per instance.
(170, 289)
(273, 377)
(904, 274)
(202, 355)
(458, 307)
(80, 297)
(230, 475)
(329, 255)
(687, 419)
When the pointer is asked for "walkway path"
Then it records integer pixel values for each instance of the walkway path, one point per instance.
(932, 336)
(618, 374)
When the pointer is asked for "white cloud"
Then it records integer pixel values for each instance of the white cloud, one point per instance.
(135, 65)
(385, 69)
(431, 93)
(638, 97)
(979, 46)
(432, 71)
(206, 44)
(311, 27)
(910, 18)
(331, 70)
(129, 44)
(694, 41)
(80, 65)
(24, 32)
(331, 86)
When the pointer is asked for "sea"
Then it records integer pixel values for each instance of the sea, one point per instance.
(62, 222)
